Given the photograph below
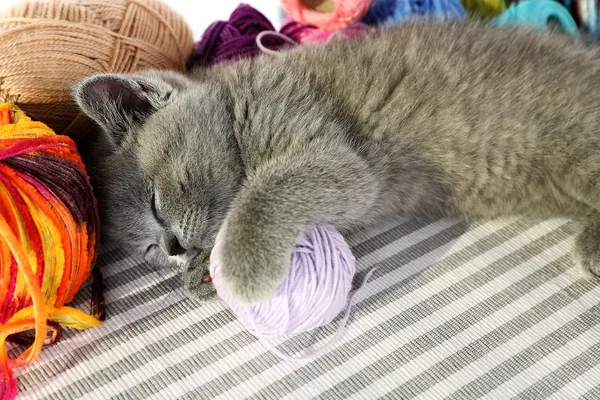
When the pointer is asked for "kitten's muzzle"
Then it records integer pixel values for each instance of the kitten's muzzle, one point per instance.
(171, 246)
(175, 248)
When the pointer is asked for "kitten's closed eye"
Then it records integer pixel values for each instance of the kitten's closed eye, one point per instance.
(154, 209)
(167, 241)
(154, 246)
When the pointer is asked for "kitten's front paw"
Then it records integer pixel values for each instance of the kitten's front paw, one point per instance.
(245, 284)
(586, 253)
(197, 280)
(251, 272)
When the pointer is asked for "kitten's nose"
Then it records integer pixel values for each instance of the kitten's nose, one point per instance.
(170, 245)
(175, 248)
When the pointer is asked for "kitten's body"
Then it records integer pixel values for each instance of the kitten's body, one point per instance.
(422, 118)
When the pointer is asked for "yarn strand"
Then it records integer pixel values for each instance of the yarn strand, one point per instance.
(266, 50)
(25, 146)
(36, 297)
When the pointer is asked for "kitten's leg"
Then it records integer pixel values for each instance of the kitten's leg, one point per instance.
(586, 252)
(580, 182)
(319, 183)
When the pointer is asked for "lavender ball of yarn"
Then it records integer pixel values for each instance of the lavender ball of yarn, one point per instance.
(234, 39)
(314, 293)
(391, 12)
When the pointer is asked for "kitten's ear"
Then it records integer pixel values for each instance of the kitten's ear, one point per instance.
(116, 101)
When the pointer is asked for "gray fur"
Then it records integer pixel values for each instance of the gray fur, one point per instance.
(421, 118)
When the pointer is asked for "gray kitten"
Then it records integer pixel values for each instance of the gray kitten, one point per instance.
(451, 119)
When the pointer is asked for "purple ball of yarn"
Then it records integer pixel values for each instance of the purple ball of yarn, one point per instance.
(314, 293)
(234, 39)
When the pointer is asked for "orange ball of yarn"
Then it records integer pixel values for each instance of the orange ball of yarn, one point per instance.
(48, 237)
(47, 45)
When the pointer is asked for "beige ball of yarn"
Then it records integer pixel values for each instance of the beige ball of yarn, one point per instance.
(47, 45)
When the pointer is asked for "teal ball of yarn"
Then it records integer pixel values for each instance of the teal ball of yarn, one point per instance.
(537, 14)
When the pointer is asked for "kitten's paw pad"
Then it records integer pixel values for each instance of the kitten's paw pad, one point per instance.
(206, 278)
(198, 282)
(202, 291)
(586, 255)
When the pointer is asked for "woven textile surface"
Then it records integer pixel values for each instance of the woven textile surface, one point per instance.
(486, 310)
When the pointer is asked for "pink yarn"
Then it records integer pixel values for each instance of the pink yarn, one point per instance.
(314, 293)
(304, 34)
(346, 13)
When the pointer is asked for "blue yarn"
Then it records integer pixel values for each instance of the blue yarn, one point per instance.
(391, 12)
(379, 12)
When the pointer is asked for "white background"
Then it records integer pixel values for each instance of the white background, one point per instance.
(201, 13)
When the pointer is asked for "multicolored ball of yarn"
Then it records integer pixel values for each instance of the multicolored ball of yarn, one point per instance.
(328, 15)
(236, 38)
(314, 293)
(48, 238)
(391, 12)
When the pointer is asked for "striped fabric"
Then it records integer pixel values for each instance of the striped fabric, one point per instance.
(492, 310)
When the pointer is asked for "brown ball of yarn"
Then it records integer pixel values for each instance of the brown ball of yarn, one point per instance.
(47, 45)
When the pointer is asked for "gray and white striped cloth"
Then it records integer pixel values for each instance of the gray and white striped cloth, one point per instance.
(493, 310)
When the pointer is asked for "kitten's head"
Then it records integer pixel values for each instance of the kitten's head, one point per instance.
(169, 164)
